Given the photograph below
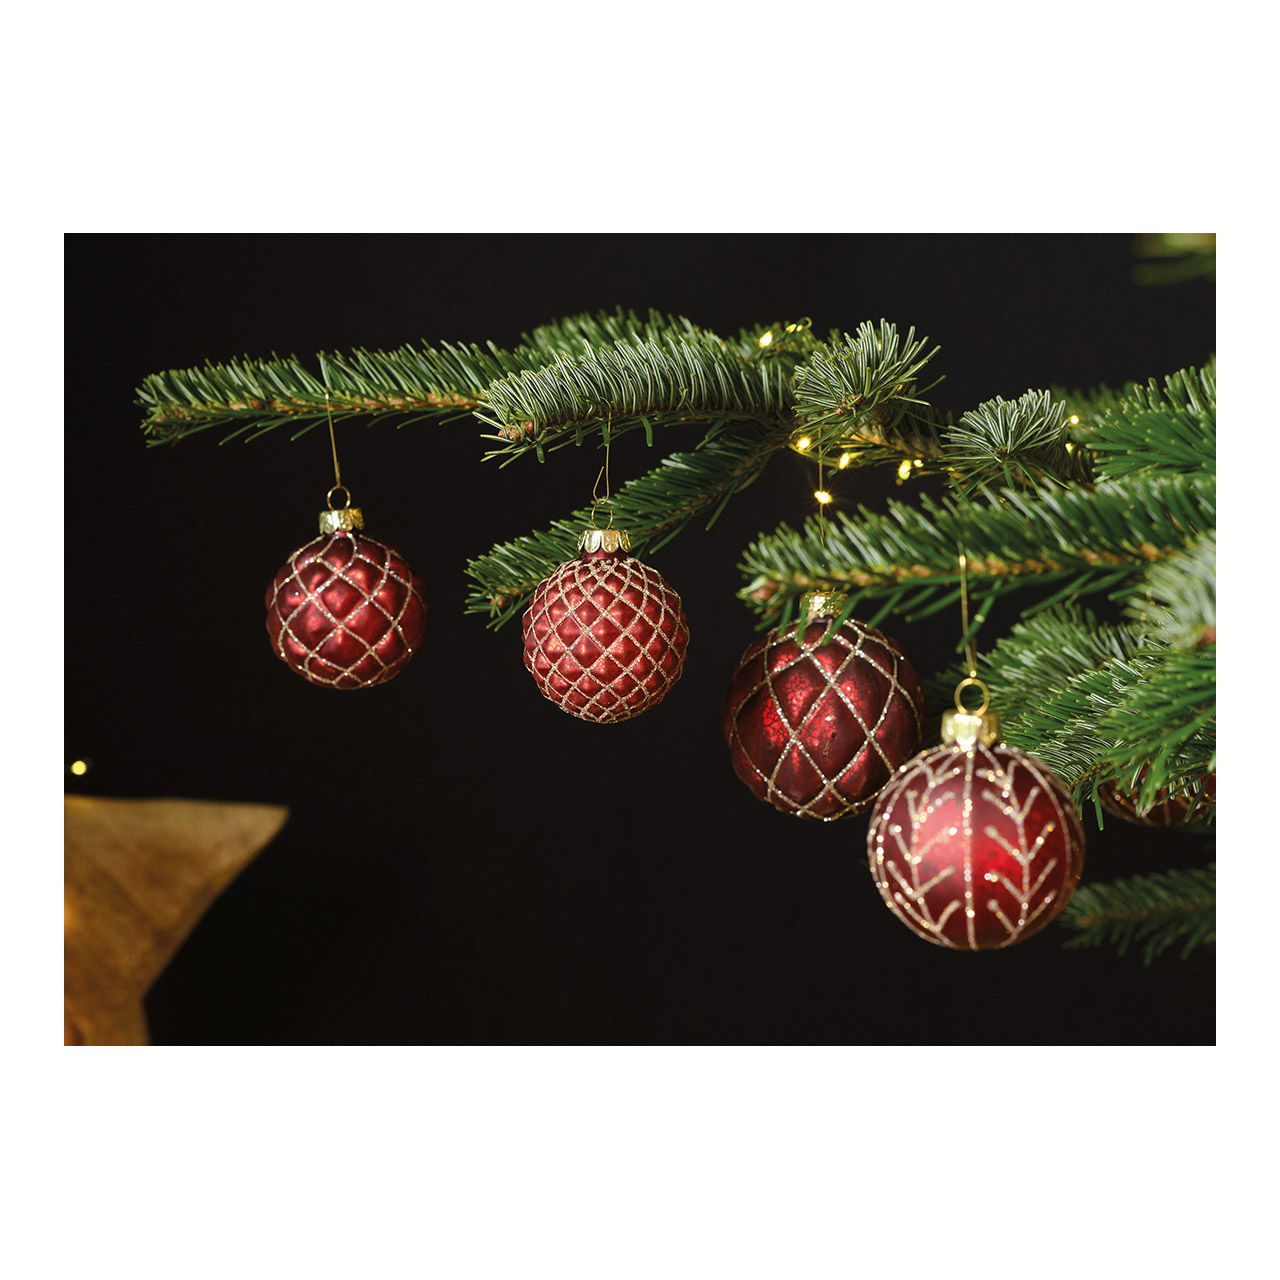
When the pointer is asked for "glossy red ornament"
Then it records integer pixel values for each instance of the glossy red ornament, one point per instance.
(817, 729)
(1169, 809)
(346, 611)
(975, 848)
(605, 636)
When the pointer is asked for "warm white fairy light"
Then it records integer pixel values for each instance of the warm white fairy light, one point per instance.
(822, 496)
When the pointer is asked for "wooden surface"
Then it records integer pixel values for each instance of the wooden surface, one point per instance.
(139, 874)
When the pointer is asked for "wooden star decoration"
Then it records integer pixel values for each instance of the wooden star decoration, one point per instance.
(139, 874)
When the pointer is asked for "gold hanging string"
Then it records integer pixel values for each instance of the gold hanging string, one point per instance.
(822, 520)
(823, 498)
(603, 474)
(337, 470)
(816, 603)
(971, 648)
(971, 652)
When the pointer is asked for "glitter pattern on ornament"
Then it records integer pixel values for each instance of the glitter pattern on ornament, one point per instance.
(816, 729)
(975, 848)
(346, 611)
(605, 636)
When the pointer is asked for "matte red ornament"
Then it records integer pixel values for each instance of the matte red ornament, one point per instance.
(1169, 809)
(605, 636)
(816, 729)
(975, 847)
(346, 611)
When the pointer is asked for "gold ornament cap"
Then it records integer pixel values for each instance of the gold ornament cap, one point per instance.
(822, 604)
(965, 728)
(345, 518)
(340, 519)
(604, 540)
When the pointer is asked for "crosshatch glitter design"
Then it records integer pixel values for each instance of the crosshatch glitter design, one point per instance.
(975, 848)
(346, 611)
(605, 637)
(817, 729)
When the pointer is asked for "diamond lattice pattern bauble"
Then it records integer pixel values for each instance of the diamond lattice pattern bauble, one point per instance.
(975, 848)
(346, 611)
(605, 637)
(817, 729)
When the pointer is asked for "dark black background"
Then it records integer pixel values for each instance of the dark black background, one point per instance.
(464, 863)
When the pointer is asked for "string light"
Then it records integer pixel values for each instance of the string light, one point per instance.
(845, 459)
(79, 767)
(822, 496)
(801, 443)
(766, 337)
(904, 469)
(1074, 419)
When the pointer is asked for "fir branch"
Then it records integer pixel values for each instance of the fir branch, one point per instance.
(1161, 734)
(790, 341)
(254, 396)
(1076, 539)
(1173, 258)
(577, 334)
(1155, 911)
(1167, 425)
(258, 395)
(1177, 598)
(653, 509)
(1101, 703)
(1086, 409)
(1076, 728)
(1060, 725)
(1039, 658)
(860, 392)
(1011, 443)
(640, 381)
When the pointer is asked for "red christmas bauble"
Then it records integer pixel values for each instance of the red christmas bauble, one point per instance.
(346, 611)
(817, 729)
(975, 848)
(605, 637)
(1169, 809)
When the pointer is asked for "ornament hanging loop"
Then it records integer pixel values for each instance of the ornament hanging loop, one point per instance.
(972, 682)
(328, 497)
(596, 504)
